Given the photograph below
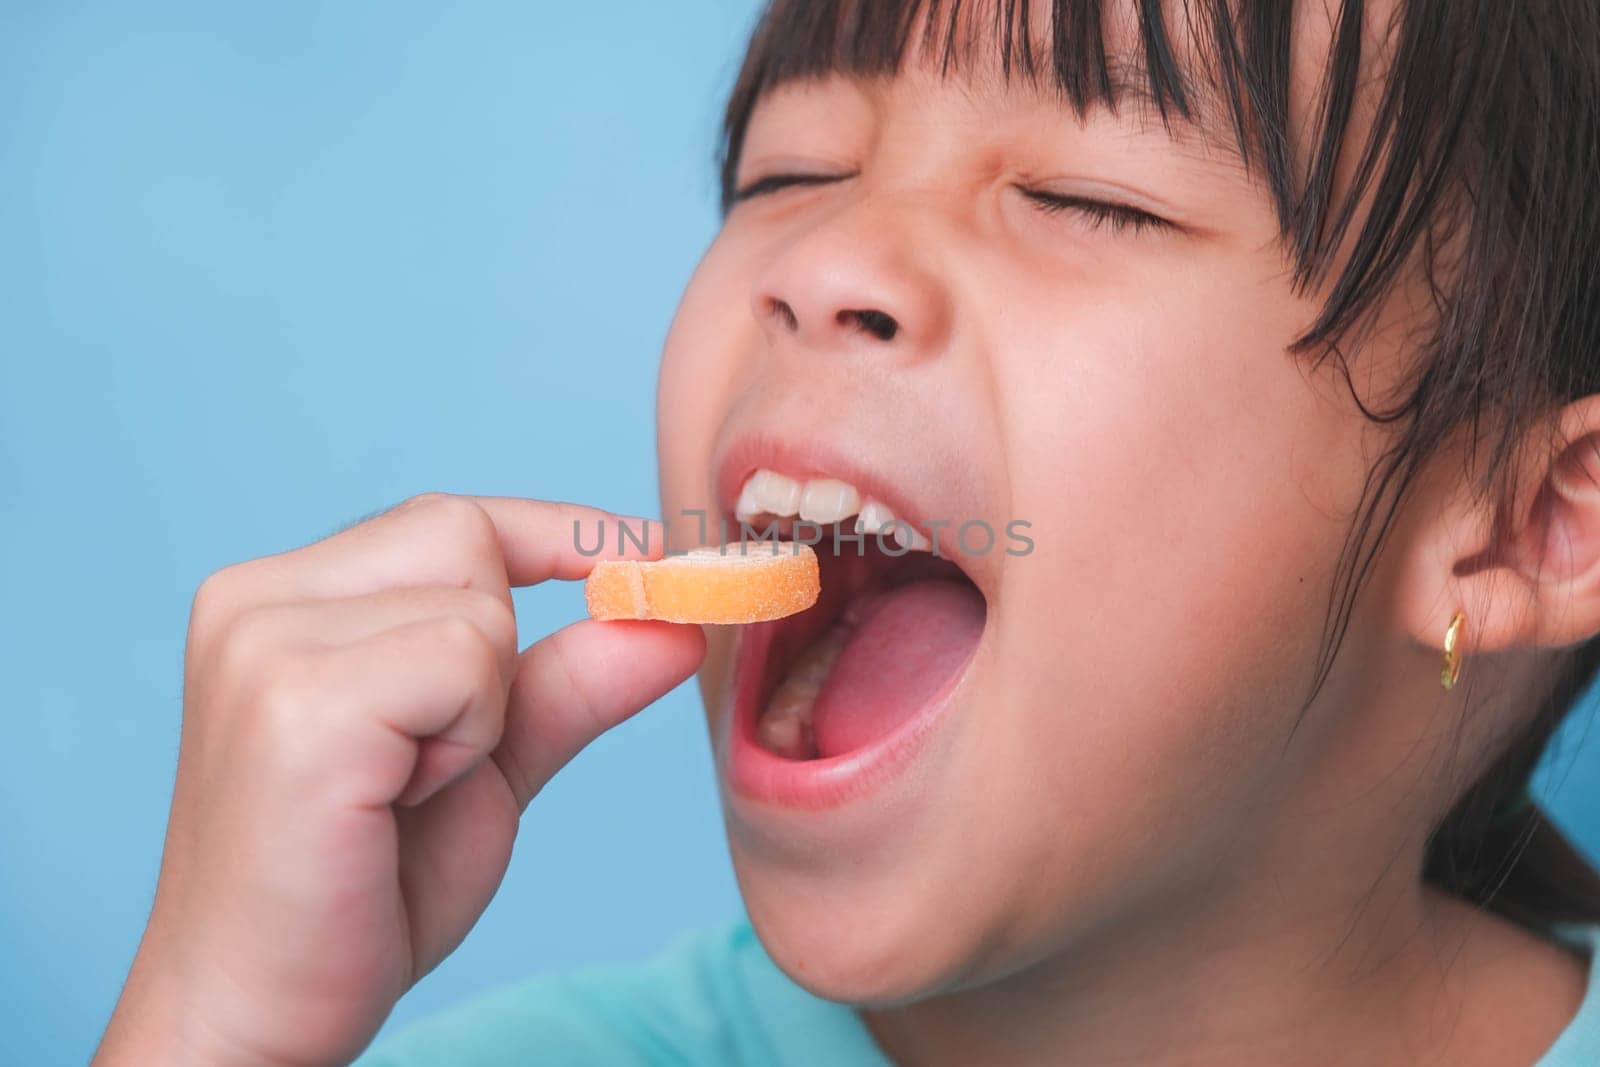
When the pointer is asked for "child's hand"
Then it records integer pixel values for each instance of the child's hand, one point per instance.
(359, 738)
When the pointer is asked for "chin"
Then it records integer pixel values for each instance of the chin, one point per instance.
(867, 947)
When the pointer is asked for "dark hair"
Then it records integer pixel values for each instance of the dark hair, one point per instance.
(1483, 169)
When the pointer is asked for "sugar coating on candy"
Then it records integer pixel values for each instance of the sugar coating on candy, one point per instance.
(719, 584)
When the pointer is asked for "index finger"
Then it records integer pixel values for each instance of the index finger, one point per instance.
(544, 539)
(484, 543)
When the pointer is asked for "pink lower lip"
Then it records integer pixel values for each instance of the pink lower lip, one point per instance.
(810, 785)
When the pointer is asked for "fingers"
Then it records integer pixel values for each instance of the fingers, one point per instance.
(542, 540)
(408, 616)
(394, 716)
(581, 681)
(434, 539)
(321, 624)
(488, 544)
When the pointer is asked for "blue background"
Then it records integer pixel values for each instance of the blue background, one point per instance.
(266, 268)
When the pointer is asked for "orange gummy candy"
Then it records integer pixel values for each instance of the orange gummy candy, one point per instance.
(737, 583)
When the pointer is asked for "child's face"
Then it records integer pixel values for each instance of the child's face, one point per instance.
(1115, 748)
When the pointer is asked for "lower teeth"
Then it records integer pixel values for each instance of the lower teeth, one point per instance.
(784, 727)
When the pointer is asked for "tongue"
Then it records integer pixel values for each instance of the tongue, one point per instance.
(909, 646)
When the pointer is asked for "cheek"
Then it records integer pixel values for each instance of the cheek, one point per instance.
(1187, 482)
(700, 367)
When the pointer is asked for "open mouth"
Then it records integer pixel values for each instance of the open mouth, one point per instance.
(890, 635)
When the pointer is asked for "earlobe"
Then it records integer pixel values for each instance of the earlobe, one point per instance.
(1530, 580)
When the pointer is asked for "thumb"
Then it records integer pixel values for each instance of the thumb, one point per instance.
(579, 682)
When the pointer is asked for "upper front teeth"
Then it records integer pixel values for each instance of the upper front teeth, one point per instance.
(827, 500)
(771, 492)
(823, 501)
(874, 517)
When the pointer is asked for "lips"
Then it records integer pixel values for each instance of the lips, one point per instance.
(827, 705)
(755, 774)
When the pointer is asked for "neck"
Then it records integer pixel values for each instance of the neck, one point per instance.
(1371, 975)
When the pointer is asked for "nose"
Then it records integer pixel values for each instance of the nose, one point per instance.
(853, 284)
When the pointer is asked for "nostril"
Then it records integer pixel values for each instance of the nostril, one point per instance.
(781, 310)
(878, 324)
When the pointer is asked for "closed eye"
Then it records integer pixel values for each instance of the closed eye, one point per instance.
(1098, 213)
(774, 182)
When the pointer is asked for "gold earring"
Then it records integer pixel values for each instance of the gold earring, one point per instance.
(1452, 658)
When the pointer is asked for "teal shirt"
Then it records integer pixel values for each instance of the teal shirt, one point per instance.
(715, 997)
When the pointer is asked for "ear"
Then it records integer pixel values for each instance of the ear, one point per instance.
(1527, 578)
